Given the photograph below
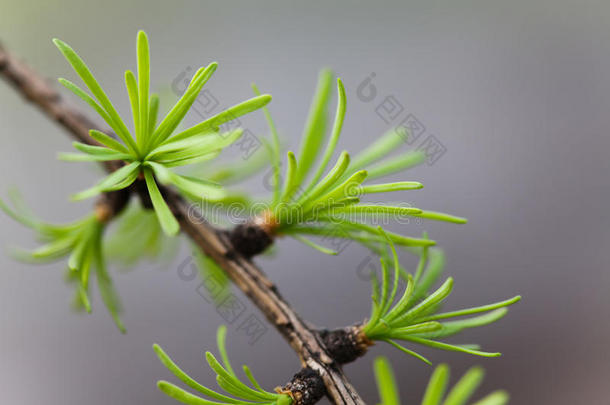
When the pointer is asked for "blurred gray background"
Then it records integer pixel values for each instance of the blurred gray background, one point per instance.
(517, 93)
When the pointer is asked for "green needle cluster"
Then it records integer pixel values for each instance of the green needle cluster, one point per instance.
(137, 235)
(460, 394)
(415, 316)
(242, 394)
(81, 243)
(316, 199)
(153, 148)
(313, 198)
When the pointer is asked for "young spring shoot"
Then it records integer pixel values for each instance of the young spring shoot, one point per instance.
(81, 243)
(138, 236)
(227, 379)
(315, 199)
(460, 394)
(415, 316)
(153, 148)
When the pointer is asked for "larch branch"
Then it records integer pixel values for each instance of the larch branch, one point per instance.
(305, 341)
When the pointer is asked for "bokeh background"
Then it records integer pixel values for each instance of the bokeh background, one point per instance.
(516, 93)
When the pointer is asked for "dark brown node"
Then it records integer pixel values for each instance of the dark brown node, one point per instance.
(347, 344)
(249, 239)
(306, 387)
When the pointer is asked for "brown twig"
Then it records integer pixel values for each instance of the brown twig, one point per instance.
(305, 341)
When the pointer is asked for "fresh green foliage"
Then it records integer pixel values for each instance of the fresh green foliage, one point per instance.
(232, 175)
(138, 235)
(314, 198)
(226, 378)
(152, 149)
(386, 382)
(239, 169)
(212, 274)
(459, 394)
(415, 316)
(317, 200)
(81, 242)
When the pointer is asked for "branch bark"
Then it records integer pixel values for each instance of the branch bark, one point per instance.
(305, 341)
